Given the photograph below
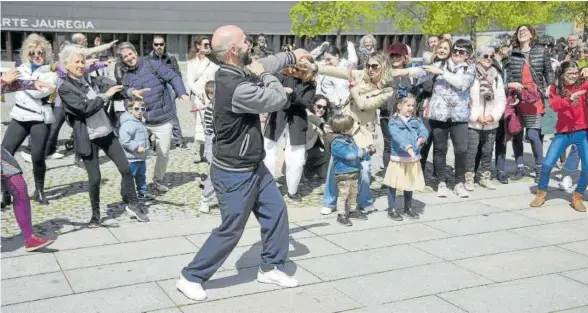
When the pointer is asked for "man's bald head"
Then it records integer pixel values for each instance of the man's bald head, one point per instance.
(227, 43)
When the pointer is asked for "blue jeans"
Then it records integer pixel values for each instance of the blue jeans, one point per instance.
(572, 161)
(364, 195)
(139, 172)
(558, 145)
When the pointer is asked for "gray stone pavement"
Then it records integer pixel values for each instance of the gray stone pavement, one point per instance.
(488, 253)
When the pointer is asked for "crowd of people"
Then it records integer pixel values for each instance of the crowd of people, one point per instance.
(325, 108)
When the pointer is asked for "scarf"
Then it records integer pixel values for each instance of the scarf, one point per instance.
(486, 77)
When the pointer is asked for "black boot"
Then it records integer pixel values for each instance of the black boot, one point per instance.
(95, 220)
(40, 194)
(6, 199)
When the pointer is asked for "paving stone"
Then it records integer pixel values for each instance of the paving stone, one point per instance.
(366, 262)
(583, 309)
(429, 304)
(454, 210)
(250, 256)
(540, 294)
(557, 233)
(482, 223)
(578, 275)
(129, 299)
(252, 236)
(233, 283)
(477, 245)
(124, 252)
(32, 264)
(408, 283)
(144, 231)
(168, 310)
(36, 287)
(83, 238)
(315, 298)
(521, 201)
(128, 273)
(579, 247)
(382, 237)
(525, 263)
(552, 214)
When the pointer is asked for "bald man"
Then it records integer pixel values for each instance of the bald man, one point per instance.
(572, 52)
(244, 89)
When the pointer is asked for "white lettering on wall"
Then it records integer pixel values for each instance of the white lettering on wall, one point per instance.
(46, 23)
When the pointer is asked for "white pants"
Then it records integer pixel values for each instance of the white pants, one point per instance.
(294, 157)
(163, 135)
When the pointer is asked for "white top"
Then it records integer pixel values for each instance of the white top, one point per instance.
(198, 73)
(31, 99)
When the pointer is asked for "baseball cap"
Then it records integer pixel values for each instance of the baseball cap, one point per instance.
(397, 48)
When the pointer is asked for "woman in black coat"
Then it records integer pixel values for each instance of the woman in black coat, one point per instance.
(290, 123)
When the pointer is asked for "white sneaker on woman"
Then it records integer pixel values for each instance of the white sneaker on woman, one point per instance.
(460, 191)
(191, 290)
(276, 277)
(442, 190)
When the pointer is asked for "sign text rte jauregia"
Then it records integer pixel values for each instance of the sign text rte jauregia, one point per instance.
(46, 24)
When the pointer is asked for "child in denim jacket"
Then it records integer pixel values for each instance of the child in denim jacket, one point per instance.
(408, 134)
(347, 157)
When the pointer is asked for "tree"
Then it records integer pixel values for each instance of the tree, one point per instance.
(435, 17)
(575, 12)
(311, 18)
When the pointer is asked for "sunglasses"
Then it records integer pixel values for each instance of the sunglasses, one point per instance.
(460, 52)
(488, 56)
(140, 109)
(372, 66)
(158, 44)
(206, 45)
(36, 53)
(320, 107)
(395, 56)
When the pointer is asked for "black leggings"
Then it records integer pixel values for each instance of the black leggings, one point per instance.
(459, 137)
(17, 132)
(427, 146)
(386, 134)
(111, 146)
(51, 146)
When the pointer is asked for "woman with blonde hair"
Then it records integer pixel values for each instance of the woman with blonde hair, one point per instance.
(368, 92)
(32, 113)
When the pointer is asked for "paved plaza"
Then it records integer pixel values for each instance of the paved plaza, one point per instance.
(488, 253)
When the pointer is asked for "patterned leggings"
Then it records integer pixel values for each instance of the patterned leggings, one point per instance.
(480, 149)
(17, 187)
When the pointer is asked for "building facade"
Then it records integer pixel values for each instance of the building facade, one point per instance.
(178, 22)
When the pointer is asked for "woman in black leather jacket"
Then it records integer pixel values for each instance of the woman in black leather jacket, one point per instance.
(526, 51)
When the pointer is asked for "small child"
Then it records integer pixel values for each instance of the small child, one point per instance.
(407, 135)
(347, 157)
(208, 193)
(134, 138)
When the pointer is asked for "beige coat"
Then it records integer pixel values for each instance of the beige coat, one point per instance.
(366, 98)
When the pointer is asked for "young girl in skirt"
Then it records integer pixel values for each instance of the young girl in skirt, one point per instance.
(407, 135)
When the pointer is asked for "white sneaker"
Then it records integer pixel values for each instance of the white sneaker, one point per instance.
(276, 277)
(369, 209)
(160, 187)
(460, 191)
(26, 157)
(566, 183)
(442, 190)
(55, 156)
(326, 211)
(191, 290)
(204, 206)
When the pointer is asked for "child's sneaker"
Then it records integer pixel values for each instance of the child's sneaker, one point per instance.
(343, 220)
(145, 196)
(394, 215)
(358, 215)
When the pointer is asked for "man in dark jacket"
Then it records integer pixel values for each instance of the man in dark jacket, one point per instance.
(572, 52)
(159, 54)
(161, 110)
(242, 182)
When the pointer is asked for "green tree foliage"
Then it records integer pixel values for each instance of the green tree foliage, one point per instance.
(311, 18)
(574, 12)
(436, 17)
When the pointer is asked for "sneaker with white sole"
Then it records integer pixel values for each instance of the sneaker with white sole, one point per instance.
(191, 290)
(326, 211)
(369, 209)
(55, 156)
(26, 157)
(276, 277)
(566, 183)
(460, 191)
(442, 190)
(160, 187)
(204, 207)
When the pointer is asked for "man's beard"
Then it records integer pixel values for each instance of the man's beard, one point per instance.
(245, 58)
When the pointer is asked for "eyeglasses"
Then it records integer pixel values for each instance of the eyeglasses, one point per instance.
(488, 56)
(36, 53)
(572, 73)
(140, 109)
(158, 44)
(320, 107)
(372, 66)
(459, 52)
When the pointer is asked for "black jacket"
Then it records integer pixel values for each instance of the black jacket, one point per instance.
(575, 54)
(78, 107)
(294, 114)
(166, 59)
(540, 63)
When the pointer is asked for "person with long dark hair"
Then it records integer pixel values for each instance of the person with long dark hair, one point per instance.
(568, 100)
(317, 146)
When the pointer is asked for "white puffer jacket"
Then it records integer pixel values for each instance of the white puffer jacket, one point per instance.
(31, 99)
(481, 107)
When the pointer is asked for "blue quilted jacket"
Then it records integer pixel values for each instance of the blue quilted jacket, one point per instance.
(160, 106)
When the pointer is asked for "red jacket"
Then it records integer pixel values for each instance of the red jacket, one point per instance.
(570, 116)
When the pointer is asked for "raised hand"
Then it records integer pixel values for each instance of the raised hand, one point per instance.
(112, 90)
(139, 93)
